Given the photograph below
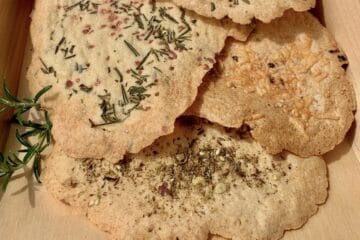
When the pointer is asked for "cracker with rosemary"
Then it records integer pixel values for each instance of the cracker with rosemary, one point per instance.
(122, 71)
(287, 83)
(244, 11)
(200, 180)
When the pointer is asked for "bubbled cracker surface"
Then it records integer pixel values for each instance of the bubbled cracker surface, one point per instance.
(122, 71)
(287, 83)
(198, 181)
(243, 11)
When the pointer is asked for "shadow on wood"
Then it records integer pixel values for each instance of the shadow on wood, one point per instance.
(318, 11)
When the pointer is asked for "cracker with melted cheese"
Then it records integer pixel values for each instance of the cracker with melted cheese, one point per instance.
(287, 83)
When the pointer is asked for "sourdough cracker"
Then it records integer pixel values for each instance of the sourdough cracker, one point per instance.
(113, 64)
(200, 180)
(286, 83)
(243, 11)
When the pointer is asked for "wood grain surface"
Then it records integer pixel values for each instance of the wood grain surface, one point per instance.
(28, 212)
(342, 17)
(14, 28)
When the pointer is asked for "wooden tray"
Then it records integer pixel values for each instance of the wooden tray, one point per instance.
(14, 25)
(28, 212)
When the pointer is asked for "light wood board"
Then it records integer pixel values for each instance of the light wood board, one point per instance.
(342, 17)
(28, 212)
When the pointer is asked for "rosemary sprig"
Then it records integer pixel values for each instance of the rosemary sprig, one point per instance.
(10, 162)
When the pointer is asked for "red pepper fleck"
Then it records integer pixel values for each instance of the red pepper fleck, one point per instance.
(113, 17)
(181, 28)
(97, 83)
(164, 190)
(69, 84)
(172, 55)
(105, 11)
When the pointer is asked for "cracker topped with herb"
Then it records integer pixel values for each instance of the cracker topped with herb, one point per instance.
(200, 180)
(244, 11)
(122, 71)
(287, 83)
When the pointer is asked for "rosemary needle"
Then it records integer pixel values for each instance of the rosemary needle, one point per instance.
(10, 162)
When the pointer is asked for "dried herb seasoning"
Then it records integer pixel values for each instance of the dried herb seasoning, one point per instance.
(164, 31)
(199, 163)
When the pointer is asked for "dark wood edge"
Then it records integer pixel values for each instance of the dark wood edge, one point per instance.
(14, 32)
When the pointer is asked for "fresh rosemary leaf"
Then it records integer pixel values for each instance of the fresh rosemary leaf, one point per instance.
(42, 149)
(29, 124)
(15, 160)
(21, 139)
(30, 133)
(36, 168)
(41, 92)
(6, 181)
(3, 109)
(10, 163)
(30, 153)
(8, 93)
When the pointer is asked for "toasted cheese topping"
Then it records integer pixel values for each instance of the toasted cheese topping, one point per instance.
(287, 82)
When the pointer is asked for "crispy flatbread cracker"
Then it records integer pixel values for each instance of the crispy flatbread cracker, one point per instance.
(200, 180)
(120, 70)
(287, 83)
(243, 11)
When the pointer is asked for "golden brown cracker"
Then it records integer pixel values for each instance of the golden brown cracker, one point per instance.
(198, 181)
(122, 71)
(243, 11)
(287, 83)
